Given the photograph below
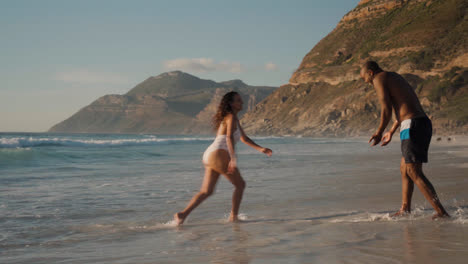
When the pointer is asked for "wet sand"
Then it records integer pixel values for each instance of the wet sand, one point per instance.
(314, 201)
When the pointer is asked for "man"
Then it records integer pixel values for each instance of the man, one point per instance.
(394, 92)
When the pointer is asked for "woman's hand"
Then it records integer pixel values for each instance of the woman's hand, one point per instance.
(232, 166)
(267, 151)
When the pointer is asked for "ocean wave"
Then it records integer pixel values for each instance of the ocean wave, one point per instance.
(28, 142)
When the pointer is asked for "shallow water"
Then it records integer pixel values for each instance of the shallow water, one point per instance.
(110, 199)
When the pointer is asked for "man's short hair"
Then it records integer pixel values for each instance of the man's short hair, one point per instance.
(372, 65)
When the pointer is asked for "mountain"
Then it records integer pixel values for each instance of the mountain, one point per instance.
(424, 40)
(170, 103)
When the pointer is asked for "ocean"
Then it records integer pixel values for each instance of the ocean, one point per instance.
(106, 198)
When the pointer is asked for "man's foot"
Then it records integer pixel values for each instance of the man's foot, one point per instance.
(179, 218)
(401, 212)
(437, 216)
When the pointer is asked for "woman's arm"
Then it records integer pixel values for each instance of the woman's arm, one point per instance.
(230, 121)
(251, 143)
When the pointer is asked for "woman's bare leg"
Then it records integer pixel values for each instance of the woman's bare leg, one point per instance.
(209, 183)
(239, 184)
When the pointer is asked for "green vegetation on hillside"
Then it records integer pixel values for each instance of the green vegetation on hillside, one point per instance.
(423, 40)
(171, 84)
(449, 84)
(438, 28)
(165, 104)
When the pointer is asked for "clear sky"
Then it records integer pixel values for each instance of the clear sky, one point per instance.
(58, 56)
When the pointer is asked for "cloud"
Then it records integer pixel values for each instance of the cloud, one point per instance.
(203, 65)
(83, 76)
(270, 66)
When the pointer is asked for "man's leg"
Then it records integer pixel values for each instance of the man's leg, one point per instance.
(407, 187)
(414, 171)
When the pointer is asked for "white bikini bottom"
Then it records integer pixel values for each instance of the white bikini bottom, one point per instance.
(218, 143)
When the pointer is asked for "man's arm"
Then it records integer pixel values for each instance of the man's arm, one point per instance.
(387, 137)
(395, 126)
(385, 104)
(386, 109)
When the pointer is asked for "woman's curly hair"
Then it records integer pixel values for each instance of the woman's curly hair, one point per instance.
(224, 109)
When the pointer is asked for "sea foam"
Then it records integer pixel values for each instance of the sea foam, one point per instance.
(25, 142)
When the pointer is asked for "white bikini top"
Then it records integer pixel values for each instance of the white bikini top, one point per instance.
(236, 135)
(220, 142)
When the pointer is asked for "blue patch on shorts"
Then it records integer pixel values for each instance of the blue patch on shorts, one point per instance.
(415, 138)
(404, 134)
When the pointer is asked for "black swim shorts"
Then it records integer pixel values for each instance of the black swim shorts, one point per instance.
(415, 135)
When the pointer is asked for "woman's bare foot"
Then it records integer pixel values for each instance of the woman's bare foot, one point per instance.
(437, 216)
(401, 212)
(234, 219)
(179, 218)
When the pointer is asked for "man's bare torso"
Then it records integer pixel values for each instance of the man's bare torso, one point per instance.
(404, 100)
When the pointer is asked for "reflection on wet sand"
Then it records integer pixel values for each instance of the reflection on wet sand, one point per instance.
(237, 250)
(408, 236)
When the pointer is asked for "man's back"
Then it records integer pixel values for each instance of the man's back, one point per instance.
(404, 100)
(393, 91)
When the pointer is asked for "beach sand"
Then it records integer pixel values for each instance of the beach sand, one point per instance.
(314, 201)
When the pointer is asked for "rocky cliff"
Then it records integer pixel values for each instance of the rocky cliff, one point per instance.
(425, 40)
(170, 103)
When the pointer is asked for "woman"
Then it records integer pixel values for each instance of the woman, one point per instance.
(220, 156)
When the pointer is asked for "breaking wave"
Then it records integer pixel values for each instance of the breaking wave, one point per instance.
(28, 142)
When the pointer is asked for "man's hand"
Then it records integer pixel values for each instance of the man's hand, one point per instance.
(267, 151)
(376, 138)
(387, 137)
